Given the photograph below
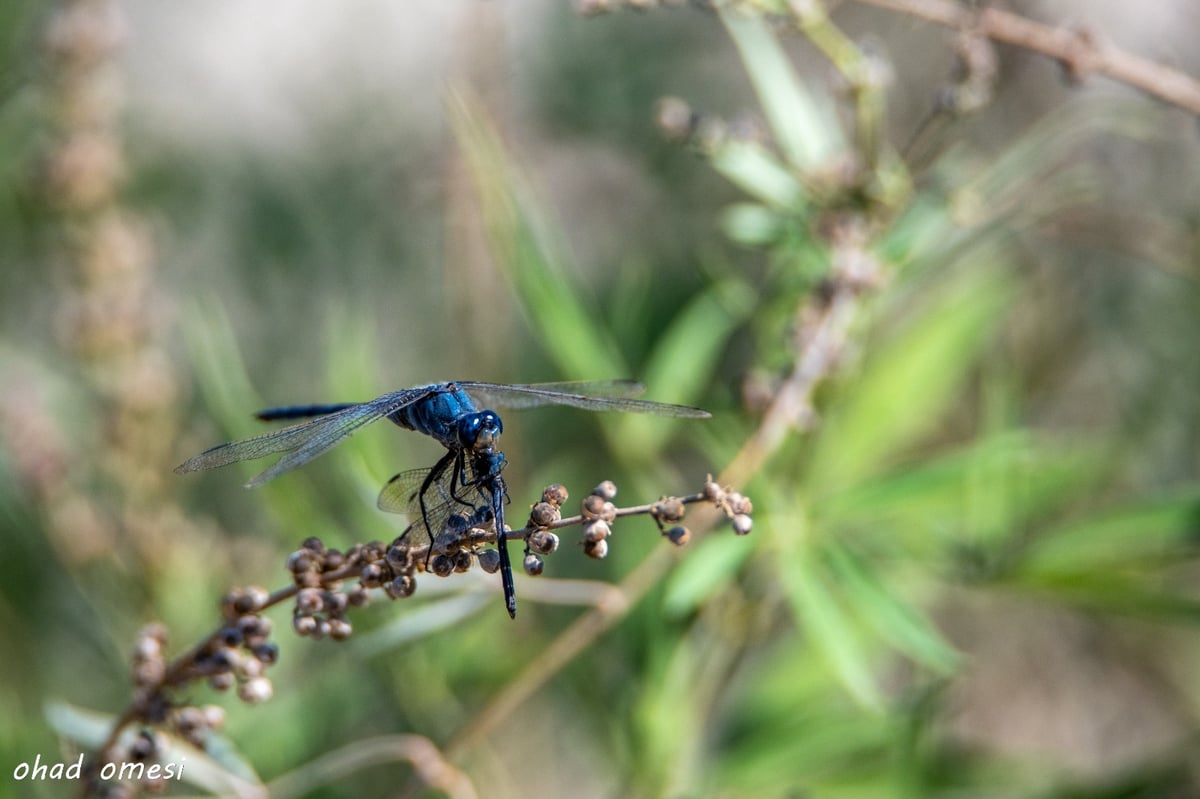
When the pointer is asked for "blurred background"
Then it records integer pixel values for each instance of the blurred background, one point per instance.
(973, 566)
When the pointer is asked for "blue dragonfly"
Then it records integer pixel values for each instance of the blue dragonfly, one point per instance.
(447, 412)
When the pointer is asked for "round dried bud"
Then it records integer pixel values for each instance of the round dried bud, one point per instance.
(675, 118)
(146, 648)
(255, 690)
(149, 672)
(313, 544)
(339, 629)
(713, 491)
(489, 560)
(222, 682)
(397, 555)
(322, 628)
(462, 561)
(267, 653)
(336, 602)
(544, 514)
(333, 560)
(534, 565)
(230, 636)
(593, 506)
(214, 716)
(371, 575)
(304, 625)
(309, 601)
(442, 566)
(596, 549)
(300, 561)
(555, 494)
(358, 596)
(224, 659)
(742, 524)
(251, 600)
(543, 542)
(402, 587)
(447, 540)
(606, 489)
(668, 509)
(596, 530)
(738, 504)
(678, 535)
(254, 627)
(154, 632)
(609, 512)
(250, 667)
(458, 523)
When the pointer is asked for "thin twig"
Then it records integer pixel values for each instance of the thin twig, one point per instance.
(1079, 51)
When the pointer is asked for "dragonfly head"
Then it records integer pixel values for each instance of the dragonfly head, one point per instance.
(479, 431)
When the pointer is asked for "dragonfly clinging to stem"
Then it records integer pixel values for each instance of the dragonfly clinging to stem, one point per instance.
(448, 412)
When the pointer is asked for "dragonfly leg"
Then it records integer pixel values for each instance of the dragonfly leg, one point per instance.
(431, 479)
(498, 492)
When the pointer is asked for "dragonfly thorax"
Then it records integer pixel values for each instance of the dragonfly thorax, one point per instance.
(479, 431)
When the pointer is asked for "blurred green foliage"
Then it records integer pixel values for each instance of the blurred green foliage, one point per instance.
(972, 568)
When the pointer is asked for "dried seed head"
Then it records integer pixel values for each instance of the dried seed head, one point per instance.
(607, 490)
(596, 549)
(304, 625)
(402, 587)
(267, 653)
(555, 494)
(358, 596)
(596, 530)
(544, 514)
(222, 682)
(592, 506)
(608, 512)
(339, 629)
(457, 524)
(489, 560)
(250, 667)
(256, 690)
(678, 535)
(462, 561)
(742, 524)
(371, 575)
(313, 544)
(309, 601)
(713, 491)
(230, 636)
(534, 565)
(542, 542)
(442, 565)
(214, 716)
(333, 560)
(668, 510)
(397, 556)
(739, 504)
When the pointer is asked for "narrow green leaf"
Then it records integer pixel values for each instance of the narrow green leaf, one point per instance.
(708, 568)
(751, 224)
(548, 295)
(806, 131)
(897, 622)
(757, 172)
(832, 631)
(1165, 527)
(907, 382)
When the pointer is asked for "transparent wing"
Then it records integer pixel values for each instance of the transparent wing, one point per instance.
(602, 395)
(303, 442)
(402, 495)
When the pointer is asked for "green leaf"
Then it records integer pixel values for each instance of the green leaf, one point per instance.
(550, 300)
(709, 566)
(897, 622)
(751, 224)
(832, 631)
(806, 131)
(907, 382)
(757, 172)
(1151, 530)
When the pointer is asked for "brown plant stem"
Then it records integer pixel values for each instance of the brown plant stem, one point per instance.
(1079, 52)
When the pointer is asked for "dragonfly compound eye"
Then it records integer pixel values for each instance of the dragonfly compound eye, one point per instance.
(479, 430)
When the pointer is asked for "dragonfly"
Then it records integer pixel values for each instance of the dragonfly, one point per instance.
(447, 412)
